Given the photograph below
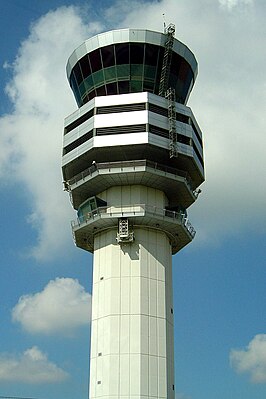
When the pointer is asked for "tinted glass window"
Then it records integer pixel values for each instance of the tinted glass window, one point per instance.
(136, 53)
(148, 86)
(95, 60)
(108, 56)
(110, 74)
(184, 71)
(123, 87)
(98, 78)
(91, 95)
(175, 63)
(77, 73)
(101, 91)
(111, 88)
(122, 53)
(73, 82)
(151, 54)
(85, 66)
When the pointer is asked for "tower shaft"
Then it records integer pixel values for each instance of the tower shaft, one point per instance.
(132, 319)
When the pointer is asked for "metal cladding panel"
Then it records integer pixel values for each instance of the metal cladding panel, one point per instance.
(121, 119)
(79, 112)
(128, 98)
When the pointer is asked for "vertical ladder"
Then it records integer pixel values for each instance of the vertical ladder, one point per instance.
(170, 96)
(164, 80)
(168, 92)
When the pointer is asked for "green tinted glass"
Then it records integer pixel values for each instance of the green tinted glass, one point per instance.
(136, 71)
(82, 88)
(88, 83)
(148, 86)
(110, 74)
(149, 72)
(135, 86)
(123, 72)
(98, 78)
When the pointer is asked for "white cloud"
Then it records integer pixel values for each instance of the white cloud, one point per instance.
(31, 135)
(61, 307)
(228, 100)
(230, 4)
(251, 360)
(31, 367)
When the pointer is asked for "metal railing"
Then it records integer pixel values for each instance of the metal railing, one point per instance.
(126, 164)
(135, 210)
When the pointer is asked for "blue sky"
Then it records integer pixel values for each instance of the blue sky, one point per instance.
(219, 280)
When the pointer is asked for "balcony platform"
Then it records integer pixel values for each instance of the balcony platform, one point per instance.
(174, 224)
(100, 176)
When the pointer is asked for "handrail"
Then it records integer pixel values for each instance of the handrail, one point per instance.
(135, 209)
(124, 164)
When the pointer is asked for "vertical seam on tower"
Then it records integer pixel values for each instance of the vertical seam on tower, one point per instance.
(149, 310)
(119, 320)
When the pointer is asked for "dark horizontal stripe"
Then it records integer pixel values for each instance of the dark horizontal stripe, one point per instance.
(78, 142)
(78, 121)
(121, 108)
(121, 129)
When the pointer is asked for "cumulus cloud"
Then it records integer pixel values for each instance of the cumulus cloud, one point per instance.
(31, 367)
(61, 307)
(228, 100)
(251, 360)
(31, 135)
(230, 4)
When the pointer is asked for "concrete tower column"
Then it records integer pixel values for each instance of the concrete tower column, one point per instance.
(132, 309)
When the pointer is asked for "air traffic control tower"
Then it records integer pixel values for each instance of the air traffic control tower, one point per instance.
(132, 163)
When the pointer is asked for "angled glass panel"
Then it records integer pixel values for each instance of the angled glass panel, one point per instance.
(151, 54)
(123, 72)
(77, 73)
(123, 87)
(149, 72)
(148, 86)
(175, 63)
(172, 80)
(82, 89)
(136, 86)
(89, 83)
(136, 53)
(95, 60)
(122, 53)
(98, 78)
(101, 91)
(136, 71)
(73, 85)
(159, 69)
(111, 88)
(183, 70)
(85, 66)
(110, 74)
(108, 56)
(92, 94)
